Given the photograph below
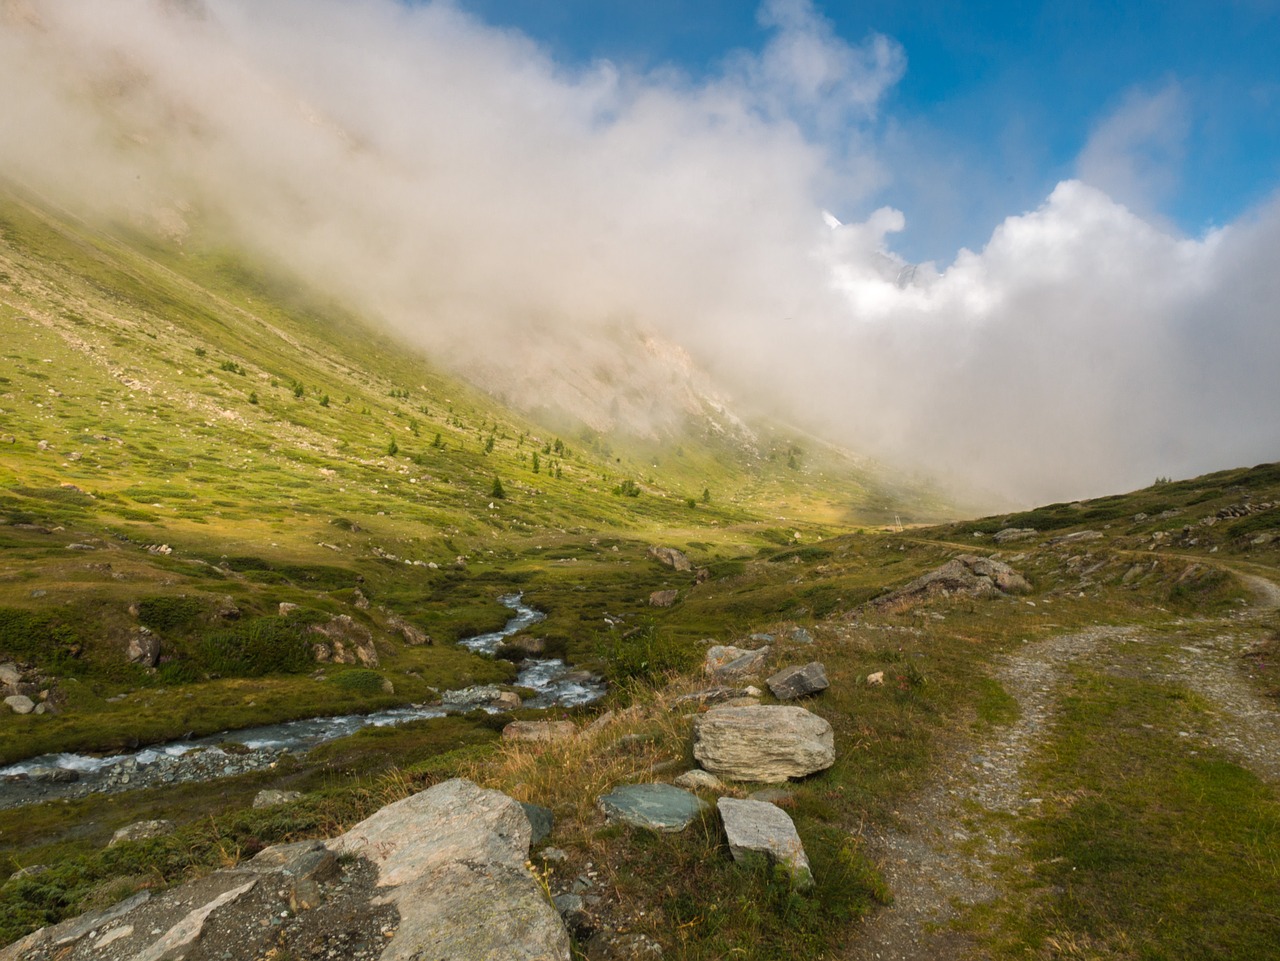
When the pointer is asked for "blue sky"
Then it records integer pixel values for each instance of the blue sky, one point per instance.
(999, 99)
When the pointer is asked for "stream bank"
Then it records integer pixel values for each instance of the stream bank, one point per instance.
(228, 753)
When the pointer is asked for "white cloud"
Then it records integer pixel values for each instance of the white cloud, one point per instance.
(503, 211)
(1135, 153)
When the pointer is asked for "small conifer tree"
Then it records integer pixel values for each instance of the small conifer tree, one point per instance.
(497, 491)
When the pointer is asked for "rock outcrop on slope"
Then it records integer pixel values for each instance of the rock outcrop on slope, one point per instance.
(965, 575)
(440, 874)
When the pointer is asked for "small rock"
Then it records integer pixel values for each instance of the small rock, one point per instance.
(699, 780)
(658, 807)
(53, 775)
(876, 679)
(663, 598)
(10, 676)
(798, 635)
(271, 797)
(287, 607)
(799, 681)
(1010, 534)
(613, 946)
(144, 648)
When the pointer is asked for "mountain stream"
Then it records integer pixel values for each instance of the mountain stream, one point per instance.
(247, 749)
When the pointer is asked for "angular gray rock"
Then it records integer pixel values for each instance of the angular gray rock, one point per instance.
(762, 743)
(724, 661)
(671, 557)
(144, 648)
(798, 681)
(757, 828)
(452, 861)
(966, 575)
(662, 598)
(658, 807)
(541, 820)
(798, 635)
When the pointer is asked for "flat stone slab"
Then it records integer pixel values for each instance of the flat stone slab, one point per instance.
(759, 828)
(658, 807)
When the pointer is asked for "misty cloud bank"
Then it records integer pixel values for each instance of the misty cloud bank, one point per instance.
(501, 209)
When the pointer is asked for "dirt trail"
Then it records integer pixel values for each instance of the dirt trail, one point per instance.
(942, 857)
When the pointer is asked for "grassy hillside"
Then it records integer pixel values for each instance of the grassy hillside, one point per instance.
(181, 434)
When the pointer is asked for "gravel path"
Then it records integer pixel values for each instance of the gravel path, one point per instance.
(951, 836)
(941, 856)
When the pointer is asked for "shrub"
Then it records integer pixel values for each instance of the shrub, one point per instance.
(359, 681)
(268, 645)
(628, 488)
(168, 613)
(643, 654)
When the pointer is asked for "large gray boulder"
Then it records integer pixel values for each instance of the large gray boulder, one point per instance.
(439, 875)
(767, 744)
(452, 861)
(756, 828)
(798, 681)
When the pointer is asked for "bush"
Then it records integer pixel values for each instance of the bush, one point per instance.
(359, 681)
(643, 654)
(168, 613)
(269, 645)
(25, 635)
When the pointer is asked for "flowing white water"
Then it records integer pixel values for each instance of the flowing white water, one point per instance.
(554, 682)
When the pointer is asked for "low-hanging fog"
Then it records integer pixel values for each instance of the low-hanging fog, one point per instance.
(501, 209)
